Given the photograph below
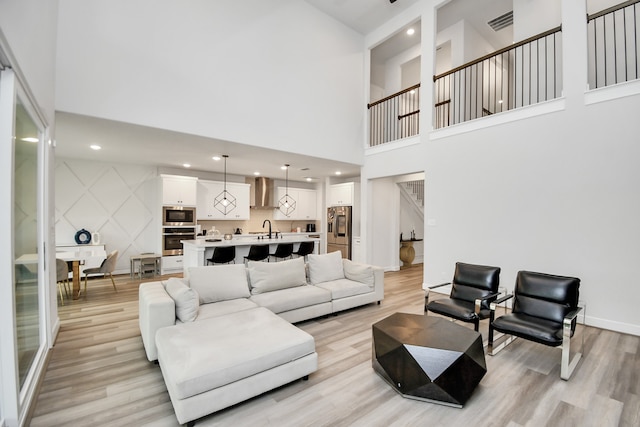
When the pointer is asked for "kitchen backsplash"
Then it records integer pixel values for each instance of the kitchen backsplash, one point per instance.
(254, 224)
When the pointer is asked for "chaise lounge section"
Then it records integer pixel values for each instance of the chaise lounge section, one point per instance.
(226, 334)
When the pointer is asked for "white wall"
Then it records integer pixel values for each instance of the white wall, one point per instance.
(211, 68)
(29, 27)
(534, 17)
(555, 193)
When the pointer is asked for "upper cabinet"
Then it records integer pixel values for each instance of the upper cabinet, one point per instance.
(209, 190)
(178, 190)
(306, 204)
(341, 194)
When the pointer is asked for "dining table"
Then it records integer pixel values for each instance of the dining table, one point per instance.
(79, 257)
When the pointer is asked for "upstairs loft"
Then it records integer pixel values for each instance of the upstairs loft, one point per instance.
(526, 73)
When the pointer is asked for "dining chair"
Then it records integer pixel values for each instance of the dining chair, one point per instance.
(107, 267)
(62, 277)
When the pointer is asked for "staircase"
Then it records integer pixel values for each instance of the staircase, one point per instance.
(414, 191)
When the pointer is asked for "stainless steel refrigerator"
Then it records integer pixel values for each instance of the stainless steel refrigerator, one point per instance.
(339, 230)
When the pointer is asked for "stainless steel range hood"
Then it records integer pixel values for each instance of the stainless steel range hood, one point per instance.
(262, 192)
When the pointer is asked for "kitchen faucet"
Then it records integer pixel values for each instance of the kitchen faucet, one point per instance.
(264, 222)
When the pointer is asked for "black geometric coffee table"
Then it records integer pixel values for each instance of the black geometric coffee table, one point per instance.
(428, 358)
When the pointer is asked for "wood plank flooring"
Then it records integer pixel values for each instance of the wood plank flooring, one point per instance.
(98, 375)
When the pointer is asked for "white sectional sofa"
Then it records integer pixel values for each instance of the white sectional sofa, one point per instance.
(226, 334)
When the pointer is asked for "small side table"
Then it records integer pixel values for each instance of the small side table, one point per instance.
(145, 259)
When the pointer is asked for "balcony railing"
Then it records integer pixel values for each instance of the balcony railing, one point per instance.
(395, 117)
(524, 73)
(614, 45)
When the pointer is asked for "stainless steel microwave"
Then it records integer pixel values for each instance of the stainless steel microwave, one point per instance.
(178, 215)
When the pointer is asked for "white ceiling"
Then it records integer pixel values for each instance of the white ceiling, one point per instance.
(123, 142)
(362, 15)
(128, 143)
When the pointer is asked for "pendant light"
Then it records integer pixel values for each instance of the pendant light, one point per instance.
(225, 202)
(287, 204)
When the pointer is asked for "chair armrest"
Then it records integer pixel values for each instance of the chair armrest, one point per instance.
(439, 286)
(478, 301)
(493, 305)
(568, 319)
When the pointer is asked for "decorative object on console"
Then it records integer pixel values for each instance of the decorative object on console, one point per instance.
(287, 204)
(83, 237)
(225, 202)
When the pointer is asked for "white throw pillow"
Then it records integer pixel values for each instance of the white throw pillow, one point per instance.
(325, 267)
(359, 272)
(175, 279)
(271, 276)
(219, 282)
(185, 298)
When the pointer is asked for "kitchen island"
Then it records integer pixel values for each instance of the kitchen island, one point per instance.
(197, 251)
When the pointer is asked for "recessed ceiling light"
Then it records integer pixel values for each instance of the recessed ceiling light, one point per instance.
(338, 173)
(186, 165)
(29, 139)
(309, 179)
(256, 173)
(284, 168)
(410, 31)
(95, 147)
(216, 158)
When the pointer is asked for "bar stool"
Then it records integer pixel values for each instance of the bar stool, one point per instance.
(283, 250)
(305, 249)
(223, 255)
(257, 253)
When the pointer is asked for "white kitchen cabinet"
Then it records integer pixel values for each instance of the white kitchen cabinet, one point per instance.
(306, 204)
(341, 194)
(179, 190)
(171, 264)
(209, 190)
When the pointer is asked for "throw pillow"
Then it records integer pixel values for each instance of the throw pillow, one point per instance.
(325, 267)
(185, 298)
(219, 282)
(359, 272)
(271, 276)
(175, 279)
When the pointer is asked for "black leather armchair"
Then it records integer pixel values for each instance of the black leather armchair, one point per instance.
(474, 287)
(545, 310)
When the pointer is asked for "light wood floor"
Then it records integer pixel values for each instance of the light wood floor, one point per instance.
(98, 375)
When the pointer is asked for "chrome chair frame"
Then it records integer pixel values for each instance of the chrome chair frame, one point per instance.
(567, 365)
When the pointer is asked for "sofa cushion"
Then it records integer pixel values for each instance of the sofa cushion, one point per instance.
(325, 267)
(185, 298)
(254, 341)
(220, 308)
(272, 276)
(290, 299)
(343, 288)
(359, 272)
(219, 282)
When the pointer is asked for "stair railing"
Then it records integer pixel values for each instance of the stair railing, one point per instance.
(525, 73)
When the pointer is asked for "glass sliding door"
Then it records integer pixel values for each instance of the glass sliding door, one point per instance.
(24, 305)
(25, 243)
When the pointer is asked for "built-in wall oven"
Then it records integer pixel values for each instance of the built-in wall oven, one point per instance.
(172, 236)
(178, 216)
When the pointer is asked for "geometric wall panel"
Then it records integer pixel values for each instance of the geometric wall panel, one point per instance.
(118, 201)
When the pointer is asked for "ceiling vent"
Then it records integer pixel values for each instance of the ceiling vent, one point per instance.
(501, 21)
